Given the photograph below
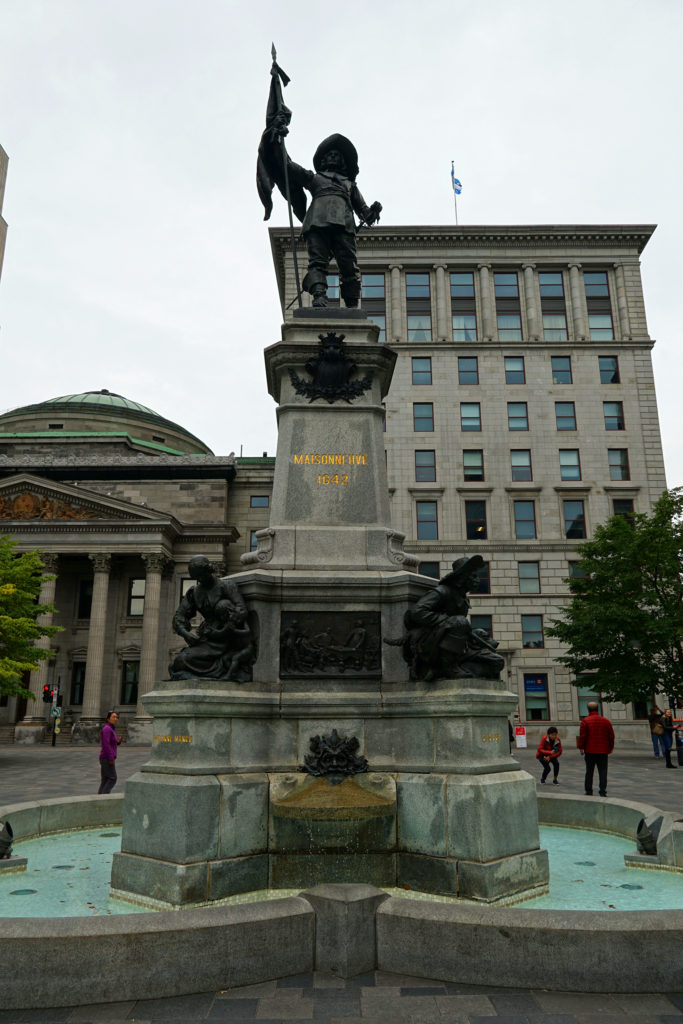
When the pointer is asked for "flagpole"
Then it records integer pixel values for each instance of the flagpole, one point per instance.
(285, 158)
(455, 194)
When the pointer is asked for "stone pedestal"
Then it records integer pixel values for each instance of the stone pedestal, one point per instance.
(221, 808)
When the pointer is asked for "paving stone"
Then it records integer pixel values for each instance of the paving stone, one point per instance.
(194, 1006)
(285, 1007)
(322, 980)
(233, 1009)
(642, 1005)
(265, 988)
(102, 1012)
(470, 1004)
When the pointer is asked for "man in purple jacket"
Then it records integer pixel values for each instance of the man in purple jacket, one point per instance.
(110, 742)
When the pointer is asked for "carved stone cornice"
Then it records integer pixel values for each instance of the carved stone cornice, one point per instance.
(100, 562)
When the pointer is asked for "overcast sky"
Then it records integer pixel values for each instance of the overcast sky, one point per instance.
(137, 259)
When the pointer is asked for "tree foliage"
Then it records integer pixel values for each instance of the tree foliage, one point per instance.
(20, 582)
(624, 622)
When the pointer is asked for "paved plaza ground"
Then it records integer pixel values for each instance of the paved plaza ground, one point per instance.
(34, 773)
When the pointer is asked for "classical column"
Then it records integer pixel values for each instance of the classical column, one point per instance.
(488, 314)
(397, 332)
(87, 729)
(624, 330)
(532, 301)
(579, 311)
(31, 729)
(442, 331)
(140, 731)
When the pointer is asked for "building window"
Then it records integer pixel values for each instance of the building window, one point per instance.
(586, 695)
(518, 417)
(506, 286)
(372, 286)
(536, 697)
(381, 321)
(550, 285)
(419, 327)
(532, 631)
(483, 584)
(609, 369)
(425, 466)
(623, 507)
(468, 370)
(596, 284)
(529, 578)
(570, 465)
(464, 327)
(565, 416)
(427, 522)
(470, 416)
(84, 598)
(259, 501)
(422, 369)
(423, 416)
(136, 597)
(576, 571)
(574, 520)
(77, 682)
(600, 327)
(614, 415)
(430, 569)
(55, 426)
(333, 287)
(525, 520)
(514, 370)
(253, 540)
(509, 327)
(484, 622)
(186, 585)
(554, 327)
(475, 520)
(473, 464)
(130, 677)
(562, 369)
(417, 286)
(618, 464)
(520, 464)
(462, 286)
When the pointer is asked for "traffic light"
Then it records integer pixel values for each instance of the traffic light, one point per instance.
(47, 695)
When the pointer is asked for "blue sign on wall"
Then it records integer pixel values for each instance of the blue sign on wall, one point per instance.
(536, 684)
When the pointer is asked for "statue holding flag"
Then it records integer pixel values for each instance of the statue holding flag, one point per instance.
(329, 228)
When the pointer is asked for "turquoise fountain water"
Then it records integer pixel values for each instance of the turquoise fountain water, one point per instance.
(68, 876)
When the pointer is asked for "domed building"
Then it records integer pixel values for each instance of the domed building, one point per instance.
(118, 498)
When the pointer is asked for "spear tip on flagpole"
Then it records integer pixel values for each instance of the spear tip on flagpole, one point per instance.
(273, 52)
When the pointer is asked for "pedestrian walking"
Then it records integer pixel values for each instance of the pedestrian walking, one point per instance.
(549, 753)
(670, 732)
(596, 743)
(657, 731)
(110, 743)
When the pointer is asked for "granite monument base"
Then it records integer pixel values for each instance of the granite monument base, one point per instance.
(221, 808)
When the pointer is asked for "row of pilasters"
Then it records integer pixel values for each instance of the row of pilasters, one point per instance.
(93, 694)
(577, 312)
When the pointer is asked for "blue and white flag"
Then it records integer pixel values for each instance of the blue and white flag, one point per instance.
(457, 185)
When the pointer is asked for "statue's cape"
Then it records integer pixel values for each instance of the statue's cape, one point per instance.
(270, 165)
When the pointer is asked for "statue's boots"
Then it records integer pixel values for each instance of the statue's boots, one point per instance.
(319, 293)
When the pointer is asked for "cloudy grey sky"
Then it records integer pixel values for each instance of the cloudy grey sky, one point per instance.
(137, 259)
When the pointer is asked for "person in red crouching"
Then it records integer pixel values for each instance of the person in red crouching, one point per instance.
(596, 742)
(549, 753)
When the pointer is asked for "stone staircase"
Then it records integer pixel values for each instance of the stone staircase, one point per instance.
(6, 734)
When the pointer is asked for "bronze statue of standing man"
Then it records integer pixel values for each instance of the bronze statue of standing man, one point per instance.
(329, 227)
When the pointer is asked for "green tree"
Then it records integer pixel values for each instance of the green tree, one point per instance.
(624, 623)
(20, 581)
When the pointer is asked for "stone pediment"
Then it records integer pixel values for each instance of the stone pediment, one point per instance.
(27, 497)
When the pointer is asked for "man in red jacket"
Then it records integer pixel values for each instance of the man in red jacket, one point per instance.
(596, 741)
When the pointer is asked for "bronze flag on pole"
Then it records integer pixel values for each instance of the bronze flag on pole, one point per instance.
(272, 155)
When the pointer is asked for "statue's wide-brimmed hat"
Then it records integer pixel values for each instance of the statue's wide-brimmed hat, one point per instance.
(345, 147)
(462, 567)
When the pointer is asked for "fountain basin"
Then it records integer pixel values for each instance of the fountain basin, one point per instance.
(58, 962)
